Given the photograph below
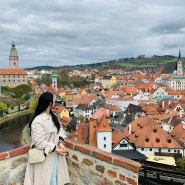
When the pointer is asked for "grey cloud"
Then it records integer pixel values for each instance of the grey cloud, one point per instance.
(78, 32)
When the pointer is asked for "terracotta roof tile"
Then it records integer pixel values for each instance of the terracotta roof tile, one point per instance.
(82, 100)
(159, 117)
(7, 71)
(179, 132)
(173, 120)
(111, 107)
(146, 133)
(59, 109)
(130, 90)
(100, 113)
(104, 126)
(117, 136)
(151, 109)
(65, 121)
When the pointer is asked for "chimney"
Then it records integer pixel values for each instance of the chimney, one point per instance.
(183, 123)
(124, 114)
(79, 133)
(180, 113)
(129, 128)
(162, 104)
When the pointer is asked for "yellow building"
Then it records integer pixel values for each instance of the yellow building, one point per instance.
(61, 111)
(108, 82)
(70, 95)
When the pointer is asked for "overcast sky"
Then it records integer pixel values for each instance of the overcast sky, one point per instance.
(70, 32)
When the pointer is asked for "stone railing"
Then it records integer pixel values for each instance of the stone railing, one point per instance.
(87, 166)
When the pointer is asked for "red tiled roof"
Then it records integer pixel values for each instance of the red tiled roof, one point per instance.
(100, 113)
(179, 132)
(83, 100)
(130, 90)
(111, 107)
(65, 121)
(158, 117)
(4, 71)
(104, 126)
(117, 136)
(59, 109)
(146, 133)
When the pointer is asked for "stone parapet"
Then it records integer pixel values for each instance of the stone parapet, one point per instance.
(87, 165)
(13, 165)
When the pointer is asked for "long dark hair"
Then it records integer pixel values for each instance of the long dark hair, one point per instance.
(44, 101)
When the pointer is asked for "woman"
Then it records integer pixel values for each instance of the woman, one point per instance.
(47, 134)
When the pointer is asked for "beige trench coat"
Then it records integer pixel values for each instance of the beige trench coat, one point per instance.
(40, 173)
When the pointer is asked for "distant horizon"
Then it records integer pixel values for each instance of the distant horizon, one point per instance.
(50, 66)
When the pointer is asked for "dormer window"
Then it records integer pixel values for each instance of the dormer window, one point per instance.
(136, 135)
(147, 139)
(154, 130)
(169, 140)
(157, 140)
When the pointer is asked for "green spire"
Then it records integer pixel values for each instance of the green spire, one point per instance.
(13, 50)
(179, 55)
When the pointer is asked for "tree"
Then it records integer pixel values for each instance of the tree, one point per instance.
(3, 107)
(34, 102)
(181, 163)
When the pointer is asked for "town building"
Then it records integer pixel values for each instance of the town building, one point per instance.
(108, 81)
(173, 75)
(13, 75)
(155, 141)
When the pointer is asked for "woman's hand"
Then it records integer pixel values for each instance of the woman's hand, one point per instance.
(60, 151)
(61, 145)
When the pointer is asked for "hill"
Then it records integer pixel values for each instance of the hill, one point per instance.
(127, 63)
(41, 68)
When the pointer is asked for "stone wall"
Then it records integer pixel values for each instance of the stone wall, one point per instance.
(87, 166)
(13, 165)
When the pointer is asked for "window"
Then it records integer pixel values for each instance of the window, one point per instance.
(169, 150)
(142, 149)
(104, 145)
(123, 145)
(150, 149)
(104, 138)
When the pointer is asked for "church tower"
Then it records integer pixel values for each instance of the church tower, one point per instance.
(179, 65)
(13, 57)
(54, 80)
